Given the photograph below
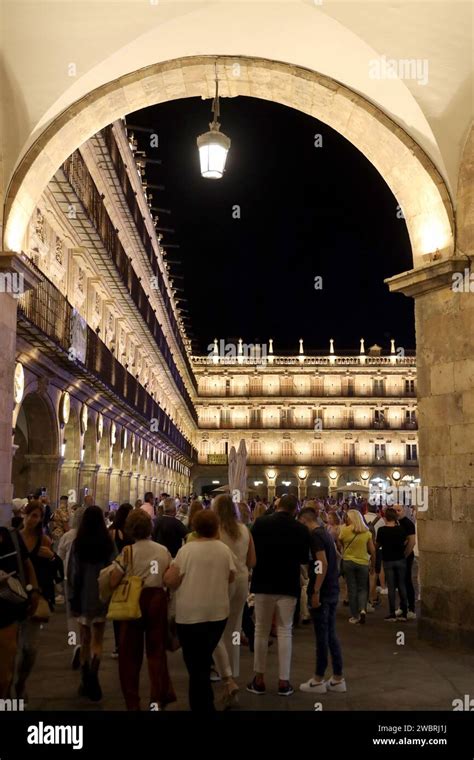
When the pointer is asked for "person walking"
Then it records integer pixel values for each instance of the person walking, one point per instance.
(15, 563)
(121, 540)
(358, 557)
(148, 505)
(281, 545)
(323, 595)
(169, 531)
(47, 566)
(91, 551)
(149, 561)
(64, 550)
(392, 540)
(200, 574)
(410, 531)
(239, 540)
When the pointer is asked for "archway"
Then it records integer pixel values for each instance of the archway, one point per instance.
(412, 177)
(35, 462)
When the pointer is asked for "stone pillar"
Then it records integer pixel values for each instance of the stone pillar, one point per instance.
(16, 277)
(88, 479)
(445, 377)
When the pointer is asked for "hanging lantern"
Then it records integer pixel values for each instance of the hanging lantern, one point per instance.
(213, 145)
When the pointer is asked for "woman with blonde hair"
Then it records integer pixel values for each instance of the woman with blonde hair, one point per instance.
(194, 509)
(259, 511)
(358, 554)
(237, 537)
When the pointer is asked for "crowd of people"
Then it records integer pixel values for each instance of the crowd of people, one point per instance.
(207, 576)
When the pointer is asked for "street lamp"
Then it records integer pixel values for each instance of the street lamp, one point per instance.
(213, 145)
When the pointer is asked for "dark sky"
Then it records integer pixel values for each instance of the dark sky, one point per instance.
(305, 211)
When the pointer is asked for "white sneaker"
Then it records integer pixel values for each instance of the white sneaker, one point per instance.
(336, 685)
(314, 687)
(370, 607)
(353, 620)
(411, 615)
(398, 612)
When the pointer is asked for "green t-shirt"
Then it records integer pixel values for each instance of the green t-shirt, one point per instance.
(355, 545)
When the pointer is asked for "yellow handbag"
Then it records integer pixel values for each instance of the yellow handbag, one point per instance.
(125, 601)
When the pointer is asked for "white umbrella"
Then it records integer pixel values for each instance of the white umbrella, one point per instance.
(232, 469)
(241, 473)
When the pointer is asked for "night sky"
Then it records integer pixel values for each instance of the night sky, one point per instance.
(305, 211)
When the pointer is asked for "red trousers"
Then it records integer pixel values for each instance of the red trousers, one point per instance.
(151, 629)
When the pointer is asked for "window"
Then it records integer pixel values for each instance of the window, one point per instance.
(412, 452)
(317, 451)
(287, 453)
(379, 418)
(378, 387)
(380, 452)
(409, 387)
(255, 451)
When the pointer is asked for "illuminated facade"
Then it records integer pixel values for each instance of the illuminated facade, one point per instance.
(311, 423)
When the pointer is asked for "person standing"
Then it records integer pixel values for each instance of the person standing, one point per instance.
(60, 521)
(121, 540)
(323, 596)
(64, 550)
(410, 532)
(169, 531)
(14, 561)
(239, 540)
(201, 573)
(92, 550)
(47, 566)
(281, 545)
(148, 504)
(148, 561)
(358, 557)
(392, 540)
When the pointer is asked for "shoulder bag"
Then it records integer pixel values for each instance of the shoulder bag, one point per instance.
(125, 601)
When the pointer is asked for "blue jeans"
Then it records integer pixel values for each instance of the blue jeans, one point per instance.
(324, 622)
(395, 575)
(357, 579)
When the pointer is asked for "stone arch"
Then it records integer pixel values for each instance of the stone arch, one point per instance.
(416, 183)
(36, 440)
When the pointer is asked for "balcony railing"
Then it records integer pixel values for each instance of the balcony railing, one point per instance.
(49, 311)
(137, 216)
(323, 360)
(83, 185)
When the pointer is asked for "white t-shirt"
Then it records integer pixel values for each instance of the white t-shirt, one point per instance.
(150, 561)
(204, 591)
(239, 547)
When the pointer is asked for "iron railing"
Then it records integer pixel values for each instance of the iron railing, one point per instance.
(83, 185)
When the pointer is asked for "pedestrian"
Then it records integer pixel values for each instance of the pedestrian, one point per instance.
(323, 596)
(148, 504)
(392, 540)
(281, 546)
(91, 551)
(60, 521)
(200, 574)
(64, 550)
(239, 540)
(169, 531)
(14, 563)
(410, 531)
(149, 561)
(358, 557)
(48, 567)
(120, 538)
(194, 509)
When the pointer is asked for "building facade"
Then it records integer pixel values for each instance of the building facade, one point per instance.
(312, 424)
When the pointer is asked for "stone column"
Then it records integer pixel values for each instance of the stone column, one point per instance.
(16, 276)
(445, 378)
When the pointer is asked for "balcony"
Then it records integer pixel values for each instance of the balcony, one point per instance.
(81, 182)
(45, 317)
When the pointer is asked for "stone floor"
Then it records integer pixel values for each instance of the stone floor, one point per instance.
(380, 674)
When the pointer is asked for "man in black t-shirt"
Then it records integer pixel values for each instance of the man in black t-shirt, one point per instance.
(169, 531)
(323, 595)
(410, 532)
(12, 614)
(281, 546)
